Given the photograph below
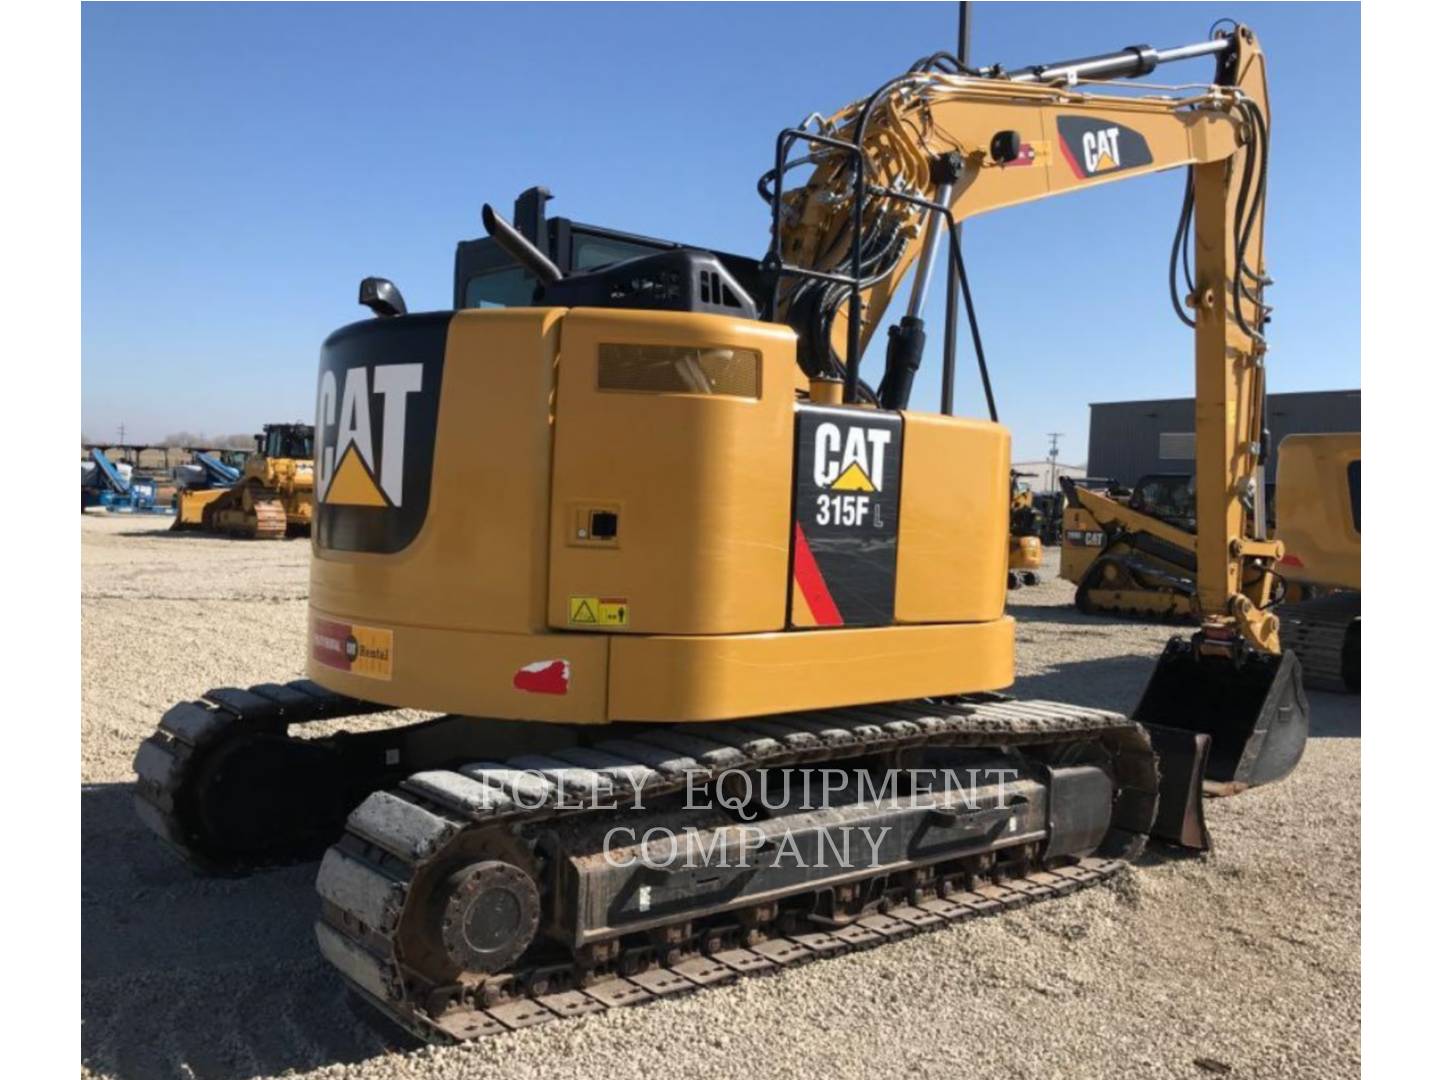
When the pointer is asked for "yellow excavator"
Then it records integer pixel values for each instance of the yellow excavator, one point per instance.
(272, 497)
(695, 601)
(1317, 507)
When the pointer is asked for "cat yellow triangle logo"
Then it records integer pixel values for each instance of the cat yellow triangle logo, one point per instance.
(852, 479)
(353, 484)
(1105, 162)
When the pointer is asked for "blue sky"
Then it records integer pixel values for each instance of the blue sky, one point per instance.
(245, 165)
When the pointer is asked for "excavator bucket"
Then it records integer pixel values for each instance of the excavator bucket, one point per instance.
(1221, 722)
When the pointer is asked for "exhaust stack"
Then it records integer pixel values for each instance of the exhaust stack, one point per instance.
(518, 247)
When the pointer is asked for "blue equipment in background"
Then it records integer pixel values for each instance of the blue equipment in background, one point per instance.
(105, 487)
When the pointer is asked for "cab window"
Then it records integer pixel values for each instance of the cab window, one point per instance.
(506, 286)
(282, 444)
(1169, 498)
(592, 252)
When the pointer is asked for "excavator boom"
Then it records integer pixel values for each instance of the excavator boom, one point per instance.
(936, 146)
(943, 143)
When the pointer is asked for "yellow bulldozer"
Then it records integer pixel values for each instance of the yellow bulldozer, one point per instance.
(696, 603)
(270, 498)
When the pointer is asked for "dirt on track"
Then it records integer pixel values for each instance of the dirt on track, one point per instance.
(1243, 963)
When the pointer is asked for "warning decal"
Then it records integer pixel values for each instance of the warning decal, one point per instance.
(360, 650)
(599, 611)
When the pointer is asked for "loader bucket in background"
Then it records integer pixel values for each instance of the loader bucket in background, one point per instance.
(1252, 708)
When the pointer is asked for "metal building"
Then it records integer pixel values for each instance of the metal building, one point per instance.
(1044, 475)
(1131, 438)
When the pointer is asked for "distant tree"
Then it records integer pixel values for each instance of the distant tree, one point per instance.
(211, 442)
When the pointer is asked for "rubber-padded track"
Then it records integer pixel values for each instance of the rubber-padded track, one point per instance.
(166, 762)
(1317, 631)
(395, 835)
(775, 952)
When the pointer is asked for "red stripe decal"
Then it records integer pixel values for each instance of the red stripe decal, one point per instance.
(812, 583)
(1074, 165)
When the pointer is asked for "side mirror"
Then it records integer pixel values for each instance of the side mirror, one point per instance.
(382, 297)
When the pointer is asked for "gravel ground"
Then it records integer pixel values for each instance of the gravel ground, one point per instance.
(1244, 962)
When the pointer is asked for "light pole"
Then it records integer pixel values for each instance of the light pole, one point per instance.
(1054, 457)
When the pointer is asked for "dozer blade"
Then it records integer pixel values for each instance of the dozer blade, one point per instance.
(1180, 807)
(1250, 704)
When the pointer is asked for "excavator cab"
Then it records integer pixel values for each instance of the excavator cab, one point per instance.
(488, 276)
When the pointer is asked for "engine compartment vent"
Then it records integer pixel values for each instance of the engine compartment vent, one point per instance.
(680, 369)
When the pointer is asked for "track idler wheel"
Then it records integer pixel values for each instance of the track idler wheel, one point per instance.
(486, 915)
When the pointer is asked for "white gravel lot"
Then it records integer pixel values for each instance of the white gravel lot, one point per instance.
(1244, 962)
